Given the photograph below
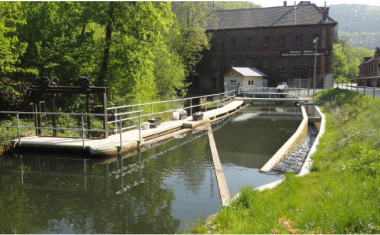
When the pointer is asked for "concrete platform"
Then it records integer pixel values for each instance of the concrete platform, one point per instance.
(130, 139)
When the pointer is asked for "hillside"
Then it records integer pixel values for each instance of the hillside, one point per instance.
(358, 24)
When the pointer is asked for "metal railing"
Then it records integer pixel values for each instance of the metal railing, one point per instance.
(82, 129)
(373, 80)
(273, 91)
(119, 116)
(225, 96)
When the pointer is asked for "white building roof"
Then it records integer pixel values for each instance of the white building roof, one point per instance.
(248, 72)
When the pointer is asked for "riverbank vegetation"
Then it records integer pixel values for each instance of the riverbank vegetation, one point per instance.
(340, 195)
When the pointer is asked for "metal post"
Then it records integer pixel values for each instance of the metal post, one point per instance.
(357, 86)
(308, 87)
(191, 107)
(373, 88)
(139, 128)
(351, 84)
(18, 129)
(346, 83)
(365, 84)
(116, 122)
(315, 65)
(82, 131)
(206, 103)
(121, 134)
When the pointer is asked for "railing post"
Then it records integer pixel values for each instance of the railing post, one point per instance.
(82, 131)
(308, 87)
(139, 128)
(18, 128)
(206, 103)
(116, 122)
(357, 85)
(373, 88)
(365, 84)
(191, 107)
(351, 84)
(121, 134)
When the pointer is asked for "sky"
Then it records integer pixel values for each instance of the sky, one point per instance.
(274, 3)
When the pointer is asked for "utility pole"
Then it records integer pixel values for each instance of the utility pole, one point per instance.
(315, 42)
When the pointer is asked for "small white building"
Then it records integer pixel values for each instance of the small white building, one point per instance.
(243, 77)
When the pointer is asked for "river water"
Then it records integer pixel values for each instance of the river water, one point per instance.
(161, 189)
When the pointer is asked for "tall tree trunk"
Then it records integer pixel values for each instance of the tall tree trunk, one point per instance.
(106, 54)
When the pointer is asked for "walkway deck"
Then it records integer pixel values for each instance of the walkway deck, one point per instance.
(111, 146)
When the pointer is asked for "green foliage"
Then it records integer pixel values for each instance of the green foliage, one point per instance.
(346, 59)
(358, 22)
(340, 195)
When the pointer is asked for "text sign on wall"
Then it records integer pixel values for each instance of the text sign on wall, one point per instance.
(302, 53)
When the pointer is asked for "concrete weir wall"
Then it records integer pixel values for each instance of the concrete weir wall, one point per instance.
(291, 144)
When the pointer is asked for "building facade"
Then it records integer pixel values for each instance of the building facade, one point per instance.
(277, 41)
(370, 68)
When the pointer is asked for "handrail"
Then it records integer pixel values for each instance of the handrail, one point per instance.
(118, 121)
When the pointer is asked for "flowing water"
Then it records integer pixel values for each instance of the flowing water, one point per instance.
(158, 190)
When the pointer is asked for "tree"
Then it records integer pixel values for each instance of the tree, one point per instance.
(10, 46)
(193, 20)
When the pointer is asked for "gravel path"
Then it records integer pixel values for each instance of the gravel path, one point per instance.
(294, 160)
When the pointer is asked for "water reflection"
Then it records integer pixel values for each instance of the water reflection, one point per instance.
(154, 191)
(250, 138)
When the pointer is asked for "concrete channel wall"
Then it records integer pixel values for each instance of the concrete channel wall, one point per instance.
(315, 111)
(295, 140)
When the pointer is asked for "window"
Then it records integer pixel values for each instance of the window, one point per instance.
(298, 41)
(248, 62)
(250, 83)
(296, 62)
(233, 82)
(249, 42)
(318, 62)
(265, 63)
(266, 41)
(319, 40)
(280, 63)
(281, 41)
(232, 62)
(233, 43)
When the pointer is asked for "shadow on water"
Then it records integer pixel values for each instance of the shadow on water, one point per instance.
(158, 190)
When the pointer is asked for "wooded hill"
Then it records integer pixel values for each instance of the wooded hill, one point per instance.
(358, 24)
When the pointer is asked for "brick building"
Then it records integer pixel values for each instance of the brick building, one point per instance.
(277, 41)
(370, 68)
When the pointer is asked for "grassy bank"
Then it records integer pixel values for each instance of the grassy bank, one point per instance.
(340, 195)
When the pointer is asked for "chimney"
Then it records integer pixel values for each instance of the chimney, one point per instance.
(324, 14)
(285, 3)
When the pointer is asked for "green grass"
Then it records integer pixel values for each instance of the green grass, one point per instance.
(340, 195)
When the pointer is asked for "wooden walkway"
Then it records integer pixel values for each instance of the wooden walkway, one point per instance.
(111, 145)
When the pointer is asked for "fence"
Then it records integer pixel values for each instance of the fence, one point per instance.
(322, 82)
(273, 92)
(361, 83)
